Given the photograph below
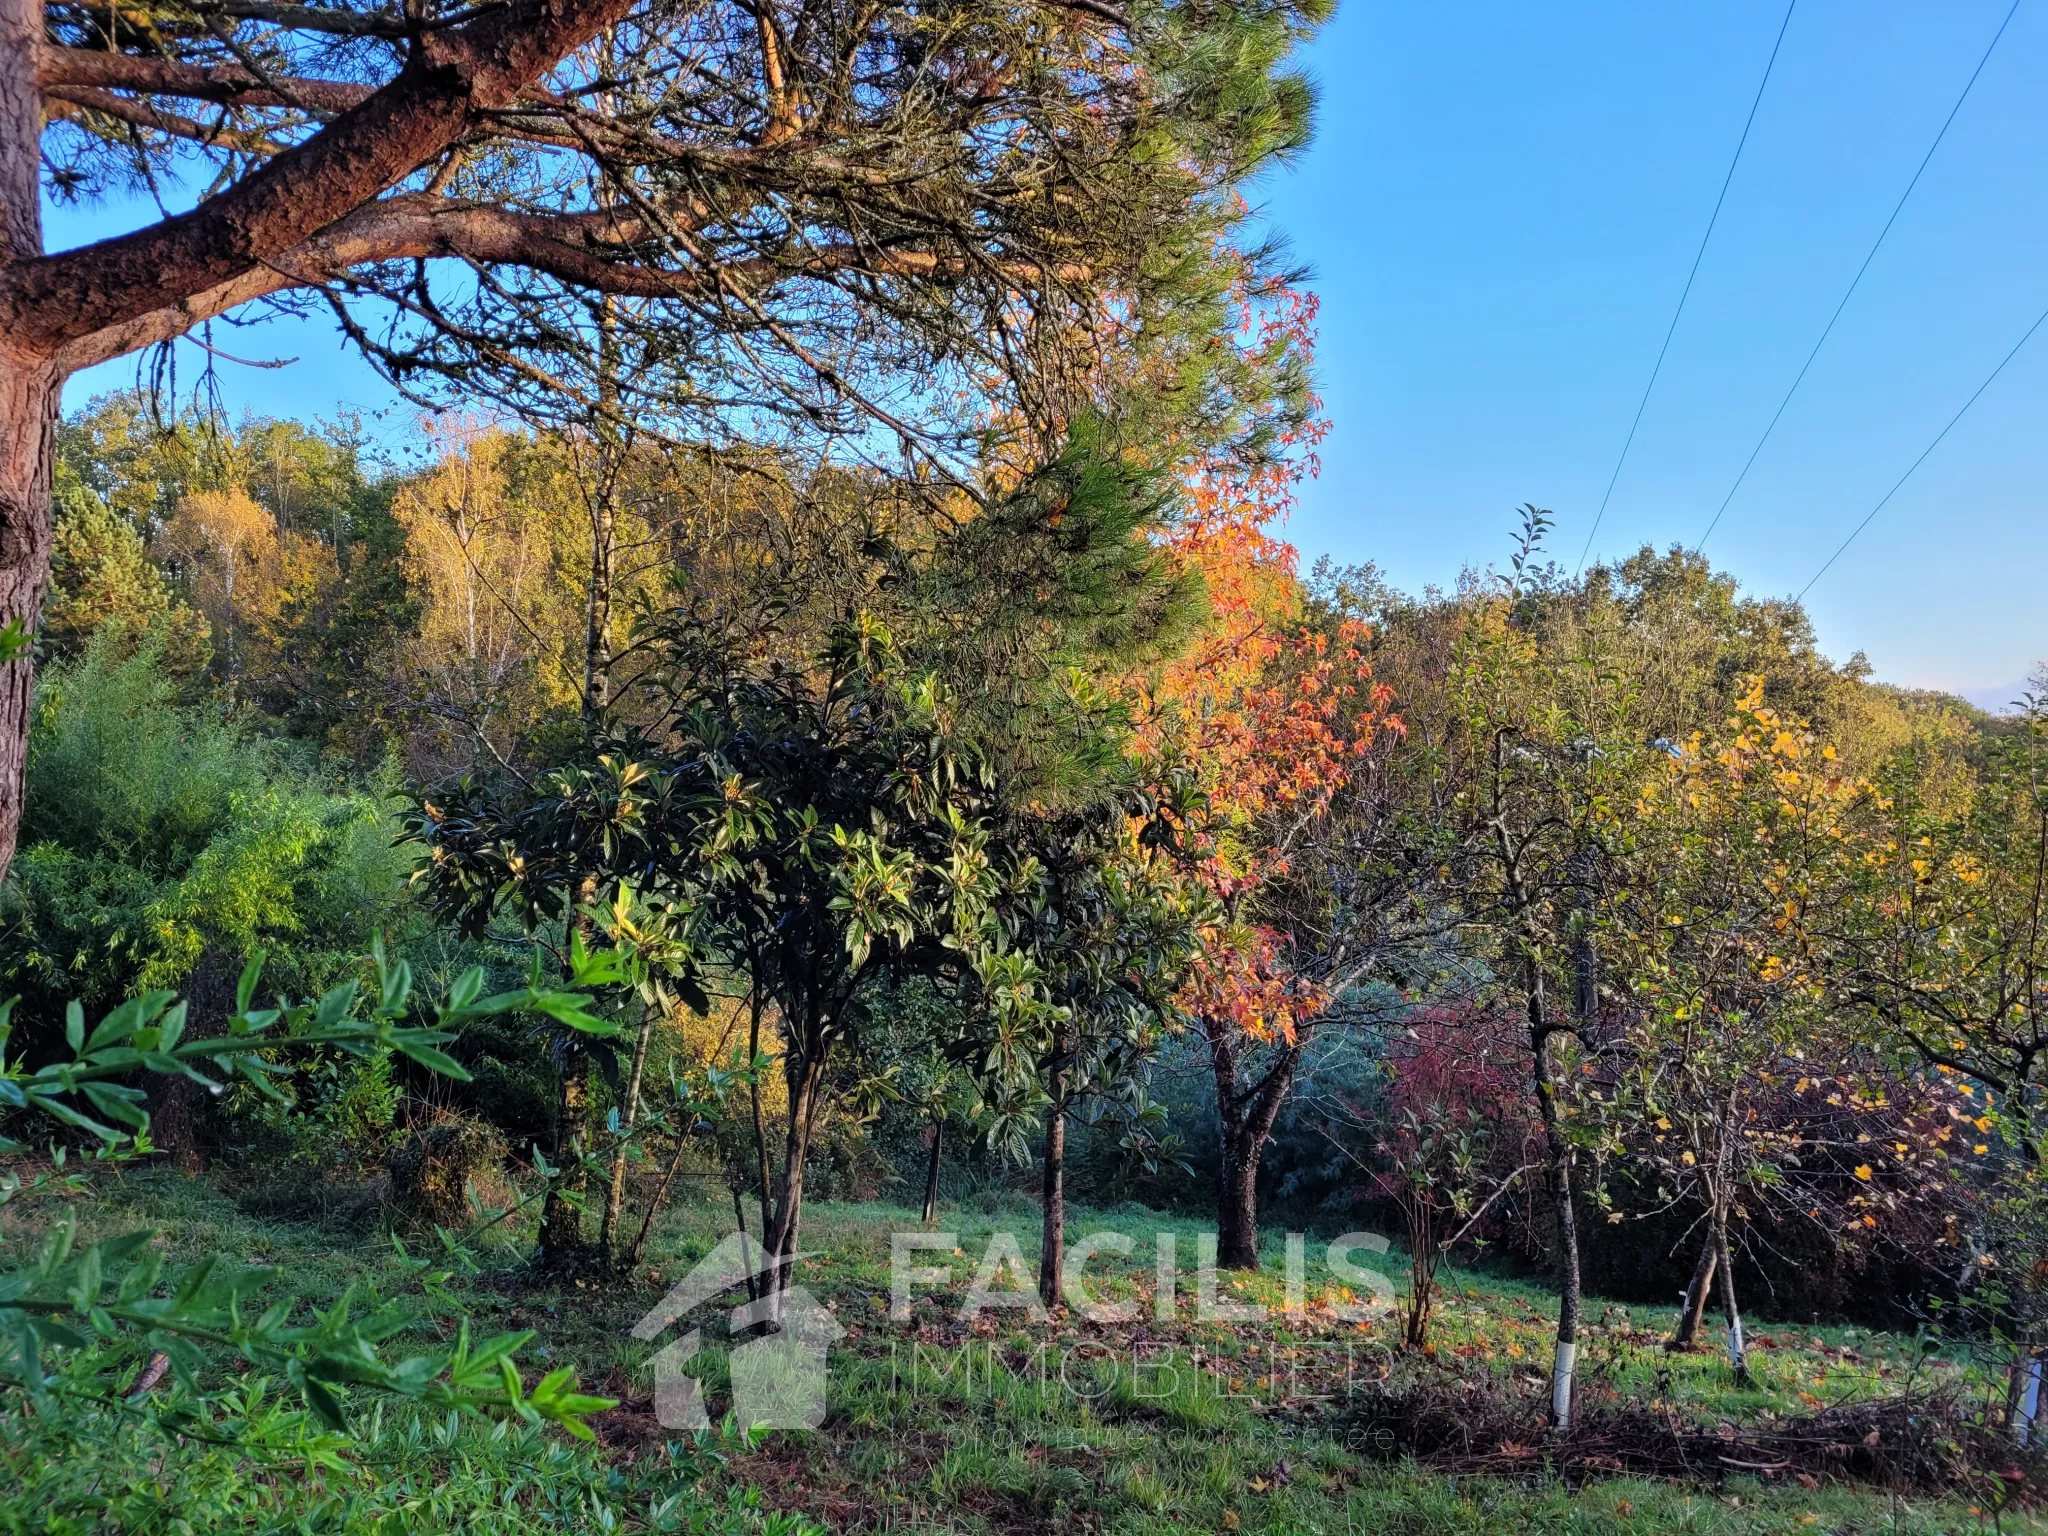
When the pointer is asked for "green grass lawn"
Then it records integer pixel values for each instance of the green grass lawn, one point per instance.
(1002, 1424)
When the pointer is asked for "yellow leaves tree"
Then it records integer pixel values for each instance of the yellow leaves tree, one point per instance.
(494, 623)
(242, 573)
(1744, 860)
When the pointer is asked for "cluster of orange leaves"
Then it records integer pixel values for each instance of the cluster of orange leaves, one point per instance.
(1274, 716)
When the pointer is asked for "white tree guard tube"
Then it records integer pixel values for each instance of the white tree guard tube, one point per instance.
(2030, 1404)
(1561, 1383)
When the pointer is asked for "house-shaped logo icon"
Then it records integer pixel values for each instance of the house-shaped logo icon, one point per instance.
(778, 1379)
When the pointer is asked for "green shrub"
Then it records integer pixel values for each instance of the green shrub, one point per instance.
(157, 834)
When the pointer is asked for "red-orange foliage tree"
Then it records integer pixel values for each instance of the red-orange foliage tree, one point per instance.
(1278, 760)
(1270, 721)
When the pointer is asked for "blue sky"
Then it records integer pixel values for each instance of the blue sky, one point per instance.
(1499, 210)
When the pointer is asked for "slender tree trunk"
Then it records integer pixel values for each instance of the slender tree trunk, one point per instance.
(597, 612)
(1422, 1262)
(660, 1195)
(739, 1215)
(603, 506)
(1558, 1159)
(806, 1077)
(615, 1195)
(1694, 1308)
(1738, 1355)
(1052, 1248)
(561, 1221)
(754, 1101)
(931, 1174)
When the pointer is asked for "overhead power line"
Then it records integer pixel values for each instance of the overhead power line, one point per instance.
(1672, 329)
(2039, 321)
(1848, 293)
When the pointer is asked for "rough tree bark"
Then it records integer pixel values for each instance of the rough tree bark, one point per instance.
(1246, 1115)
(29, 390)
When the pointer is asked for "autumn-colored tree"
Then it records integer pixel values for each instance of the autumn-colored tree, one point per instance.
(493, 622)
(1947, 951)
(1265, 834)
(1747, 1099)
(1945, 959)
(1542, 753)
(1446, 1138)
(240, 572)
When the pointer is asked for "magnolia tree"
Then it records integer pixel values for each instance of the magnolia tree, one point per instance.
(862, 226)
(1107, 925)
(824, 830)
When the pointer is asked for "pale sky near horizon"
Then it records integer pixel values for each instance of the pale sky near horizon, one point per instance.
(1499, 211)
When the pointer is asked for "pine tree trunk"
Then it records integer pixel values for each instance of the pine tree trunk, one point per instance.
(1052, 1251)
(30, 388)
(29, 393)
(561, 1222)
(1694, 1308)
(931, 1174)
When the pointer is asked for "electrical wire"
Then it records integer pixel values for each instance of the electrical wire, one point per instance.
(2041, 320)
(1686, 292)
(1826, 330)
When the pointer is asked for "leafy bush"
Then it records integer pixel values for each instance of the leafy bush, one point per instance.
(158, 836)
